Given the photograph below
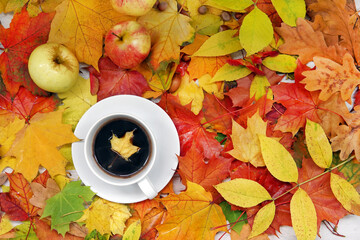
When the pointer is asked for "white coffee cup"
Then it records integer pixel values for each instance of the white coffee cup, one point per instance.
(140, 177)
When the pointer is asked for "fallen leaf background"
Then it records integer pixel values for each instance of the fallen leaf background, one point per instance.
(265, 140)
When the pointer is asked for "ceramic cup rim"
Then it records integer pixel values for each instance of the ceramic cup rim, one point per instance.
(100, 173)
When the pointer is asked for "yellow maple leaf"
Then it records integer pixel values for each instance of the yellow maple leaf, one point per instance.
(106, 217)
(190, 92)
(246, 141)
(37, 144)
(169, 30)
(331, 77)
(191, 215)
(7, 134)
(81, 26)
(123, 146)
(77, 101)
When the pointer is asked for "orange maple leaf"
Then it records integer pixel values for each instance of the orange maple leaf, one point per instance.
(200, 66)
(37, 144)
(191, 215)
(304, 41)
(331, 77)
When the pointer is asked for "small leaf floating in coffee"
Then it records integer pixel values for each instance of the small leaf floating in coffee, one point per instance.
(123, 146)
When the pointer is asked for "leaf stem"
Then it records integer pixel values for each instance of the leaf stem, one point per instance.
(311, 179)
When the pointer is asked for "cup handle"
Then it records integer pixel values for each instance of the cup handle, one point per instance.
(147, 188)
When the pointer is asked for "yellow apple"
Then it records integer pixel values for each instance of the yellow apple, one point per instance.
(53, 67)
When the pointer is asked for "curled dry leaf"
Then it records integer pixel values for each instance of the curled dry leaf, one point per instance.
(42, 194)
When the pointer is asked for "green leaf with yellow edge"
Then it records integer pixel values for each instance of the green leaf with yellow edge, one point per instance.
(230, 73)
(210, 87)
(106, 217)
(246, 142)
(256, 31)
(219, 44)
(350, 170)
(81, 26)
(206, 24)
(263, 219)
(281, 63)
(77, 101)
(169, 30)
(123, 145)
(243, 192)
(133, 232)
(318, 144)
(278, 160)
(237, 217)
(230, 5)
(67, 206)
(259, 87)
(303, 215)
(5, 225)
(345, 193)
(290, 10)
(190, 92)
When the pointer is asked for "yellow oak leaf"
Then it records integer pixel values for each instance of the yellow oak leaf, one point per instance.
(331, 77)
(106, 217)
(192, 214)
(190, 92)
(169, 30)
(123, 146)
(81, 26)
(38, 142)
(246, 142)
(77, 101)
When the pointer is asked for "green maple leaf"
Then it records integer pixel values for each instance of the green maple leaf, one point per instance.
(67, 206)
(95, 235)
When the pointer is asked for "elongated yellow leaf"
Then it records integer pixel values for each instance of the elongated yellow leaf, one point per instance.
(303, 216)
(133, 232)
(263, 219)
(259, 86)
(243, 192)
(230, 73)
(233, 5)
(207, 24)
(281, 63)
(256, 31)
(345, 193)
(219, 44)
(318, 144)
(278, 160)
(290, 10)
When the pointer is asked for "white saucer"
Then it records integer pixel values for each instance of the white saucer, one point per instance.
(166, 138)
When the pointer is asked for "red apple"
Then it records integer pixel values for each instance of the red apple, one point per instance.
(133, 7)
(127, 44)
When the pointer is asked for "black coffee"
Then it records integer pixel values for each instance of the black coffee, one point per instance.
(110, 161)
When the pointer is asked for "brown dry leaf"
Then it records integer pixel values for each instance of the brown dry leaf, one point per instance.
(81, 25)
(339, 23)
(77, 230)
(331, 77)
(41, 193)
(304, 41)
(245, 233)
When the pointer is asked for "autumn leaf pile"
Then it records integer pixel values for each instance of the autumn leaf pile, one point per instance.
(263, 94)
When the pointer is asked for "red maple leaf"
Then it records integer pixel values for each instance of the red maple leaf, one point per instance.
(20, 192)
(190, 129)
(273, 186)
(26, 105)
(300, 104)
(23, 36)
(218, 113)
(11, 208)
(319, 190)
(193, 168)
(113, 80)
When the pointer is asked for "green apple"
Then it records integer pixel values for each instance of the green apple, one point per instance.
(53, 67)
